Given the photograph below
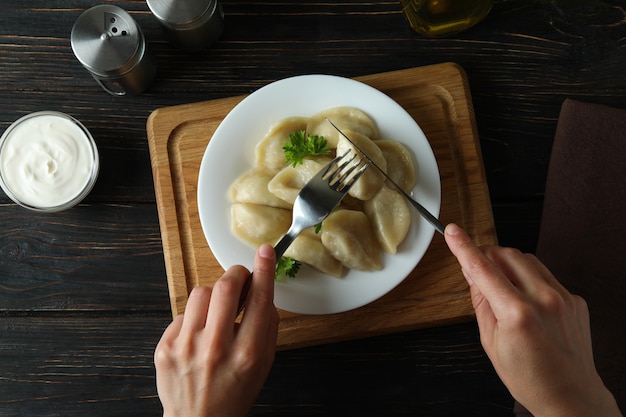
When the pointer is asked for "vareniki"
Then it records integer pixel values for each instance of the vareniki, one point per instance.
(373, 218)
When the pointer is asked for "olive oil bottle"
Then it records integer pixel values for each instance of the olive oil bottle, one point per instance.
(444, 17)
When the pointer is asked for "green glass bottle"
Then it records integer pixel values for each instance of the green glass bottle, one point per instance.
(444, 17)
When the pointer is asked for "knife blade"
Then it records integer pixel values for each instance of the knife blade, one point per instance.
(421, 209)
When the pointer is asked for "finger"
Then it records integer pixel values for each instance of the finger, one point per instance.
(161, 352)
(484, 274)
(548, 276)
(224, 301)
(487, 321)
(554, 296)
(173, 330)
(260, 308)
(519, 269)
(259, 325)
(194, 318)
(530, 276)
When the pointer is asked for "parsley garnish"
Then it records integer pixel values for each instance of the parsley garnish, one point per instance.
(286, 266)
(301, 145)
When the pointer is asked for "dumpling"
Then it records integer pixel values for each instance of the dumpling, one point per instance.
(390, 216)
(269, 151)
(256, 224)
(251, 187)
(345, 118)
(370, 182)
(349, 238)
(351, 203)
(287, 184)
(308, 248)
(400, 163)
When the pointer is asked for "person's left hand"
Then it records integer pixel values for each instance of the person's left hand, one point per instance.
(206, 363)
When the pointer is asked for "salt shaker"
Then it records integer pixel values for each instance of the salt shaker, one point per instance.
(110, 45)
(192, 25)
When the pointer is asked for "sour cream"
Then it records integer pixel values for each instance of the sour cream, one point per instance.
(48, 161)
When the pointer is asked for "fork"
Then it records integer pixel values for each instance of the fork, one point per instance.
(321, 195)
(316, 200)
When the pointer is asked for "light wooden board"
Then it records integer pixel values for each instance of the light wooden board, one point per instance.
(435, 293)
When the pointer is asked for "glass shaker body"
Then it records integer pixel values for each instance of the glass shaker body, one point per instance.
(444, 17)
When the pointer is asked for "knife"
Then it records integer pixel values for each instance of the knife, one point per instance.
(421, 209)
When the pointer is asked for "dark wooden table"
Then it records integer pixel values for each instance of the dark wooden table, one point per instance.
(83, 293)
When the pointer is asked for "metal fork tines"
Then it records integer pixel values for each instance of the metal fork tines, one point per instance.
(322, 194)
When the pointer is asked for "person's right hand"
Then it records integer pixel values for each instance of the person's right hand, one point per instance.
(536, 333)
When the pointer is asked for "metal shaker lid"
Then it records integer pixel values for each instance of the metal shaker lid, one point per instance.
(181, 14)
(106, 40)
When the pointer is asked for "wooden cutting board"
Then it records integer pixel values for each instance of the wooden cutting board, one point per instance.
(435, 293)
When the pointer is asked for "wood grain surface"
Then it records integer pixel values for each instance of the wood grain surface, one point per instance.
(84, 294)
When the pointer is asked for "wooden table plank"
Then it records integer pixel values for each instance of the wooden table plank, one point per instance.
(78, 365)
(93, 257)
(88, 365)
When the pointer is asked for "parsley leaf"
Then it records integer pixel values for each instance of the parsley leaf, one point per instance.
(286, 266)
(301, 145)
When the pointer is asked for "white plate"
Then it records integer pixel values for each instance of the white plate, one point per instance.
(231, 152)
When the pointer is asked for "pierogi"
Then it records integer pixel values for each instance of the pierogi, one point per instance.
(390, 217)
(348, 236)
(257, 225)
(269, 151)
(309, 249)
(288, 182)
(374, 218)
(400, 163)
(253, 187)
(345, 118)
(372, 179)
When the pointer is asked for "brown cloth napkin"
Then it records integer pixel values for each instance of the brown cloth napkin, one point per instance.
(582, 238)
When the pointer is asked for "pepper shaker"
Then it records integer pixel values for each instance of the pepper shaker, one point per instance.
(110, 45)
(192, 25)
